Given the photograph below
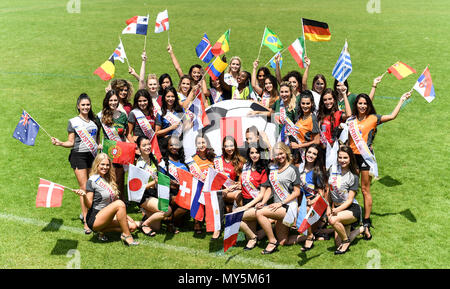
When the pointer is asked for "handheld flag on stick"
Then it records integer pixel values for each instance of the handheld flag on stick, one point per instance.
(232, 225)
(203, 50)
(424, 86)
(119, 53)
(343, 67)
(314, 214)
(162, 22)
(315, 30)
(120, 152)
(163, 192)
(49, 194)
(271, 40)
(106, 70)
(212, 212)
(297, 50)
(272, 61)
(136, 25)
(26, 130)
(222, 44)
(216, 68)
(401, 70)
(137, 180)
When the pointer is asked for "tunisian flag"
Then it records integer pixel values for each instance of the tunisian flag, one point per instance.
(49, 194)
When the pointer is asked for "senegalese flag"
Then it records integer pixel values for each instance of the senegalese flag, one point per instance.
(222, 45)
(216, 68)
(107, 69)
(119, 152)
(271, 40)
(315, 30)
(401, 70)
(163, 192)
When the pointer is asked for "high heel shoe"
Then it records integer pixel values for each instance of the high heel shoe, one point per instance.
(339, 252)
(304, 248)
(247, 248)
(124, 240)
(367, 223)
(266, 252)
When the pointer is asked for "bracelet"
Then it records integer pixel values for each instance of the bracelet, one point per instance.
(374, 86)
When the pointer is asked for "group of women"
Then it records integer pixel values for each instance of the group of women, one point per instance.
(267, 182)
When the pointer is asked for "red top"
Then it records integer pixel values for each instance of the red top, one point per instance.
(326, 125)
(256, 179)
(228, 169)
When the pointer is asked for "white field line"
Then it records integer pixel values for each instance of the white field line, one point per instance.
(157, 245)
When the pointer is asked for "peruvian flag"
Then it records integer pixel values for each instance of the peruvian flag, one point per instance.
(136, 25)
(232, 225)
(162, 22)
(137, 180)
(212, 211)
(314, 214)
(49, 194)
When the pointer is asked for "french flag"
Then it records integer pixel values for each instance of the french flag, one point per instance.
(203, 50)
(136, 25)
(314, 214)
(232, 225)
(197, 208)
(212, 211)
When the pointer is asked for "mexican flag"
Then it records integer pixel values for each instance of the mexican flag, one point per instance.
(163, 192)
(119, 152)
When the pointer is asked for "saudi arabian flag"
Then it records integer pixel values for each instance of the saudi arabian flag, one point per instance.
(163, 192)
(271, 40)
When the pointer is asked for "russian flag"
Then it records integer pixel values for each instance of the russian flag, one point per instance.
(216, 68)
(314, 214)
(232, 225)
(203, 50)
(197, 209)
(136, 25)
(212, 211)
(424, 86)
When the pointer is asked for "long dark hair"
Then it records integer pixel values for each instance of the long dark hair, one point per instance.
(139, 140)
(298, 76)
(161, 80)
(236, 159)
(317, 77)
(370, 108)
(107, 113)
(180, 156)
(176, 105)
(83, 96)
(305, 94)
(210, 155)
(261, 164)
(319, 171)
(353, 165)
(143, 92)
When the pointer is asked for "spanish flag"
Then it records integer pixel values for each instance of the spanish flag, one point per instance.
(222, 45)
(401, 70)
(315, 30)
(107, 69)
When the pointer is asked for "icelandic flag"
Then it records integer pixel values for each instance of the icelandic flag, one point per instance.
(424, 86)
(343, 67)
(198, 109)
(314, 214)
(232, 225)
(301, 213)
(197, 209)
(162, 22)
(26, 130)
(49, 194)
(136, 25)
(119, 53)
(203, 50)
(212, 211)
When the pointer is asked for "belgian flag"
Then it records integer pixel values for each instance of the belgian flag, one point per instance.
(315, 30)
(107, 69)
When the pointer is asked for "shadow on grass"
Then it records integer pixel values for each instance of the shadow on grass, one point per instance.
(305, 259)
(53, 226)
(63, 246)
(405, 213)
(388, 181)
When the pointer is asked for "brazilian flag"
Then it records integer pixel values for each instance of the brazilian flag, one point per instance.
(272, 41)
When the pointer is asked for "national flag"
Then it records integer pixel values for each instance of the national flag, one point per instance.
(203, 50)
(137, 180)
(232, 226)
(232, 126)
(162, 22)
(315, 30)
(188, 185)
(314, 214)
(424, 86)
(155, 149)
(163, 192)
(198, 109)
(216, 68)
(136, 25)
(297, 50)
(401, 70)
(106, 70)
(197, 209)
(343, 67)
(214, 180)
(222, 44)
(212, 211)
(272, 61)
(26, 130)
(119, 152)
(302, 212)
(271, 40)
(283, 135)
(49, 194)
(119, 53)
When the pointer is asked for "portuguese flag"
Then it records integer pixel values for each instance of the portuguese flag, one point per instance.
(119, 152)
(315, 30)
(163, 192)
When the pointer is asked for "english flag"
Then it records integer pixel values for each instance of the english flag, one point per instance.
(137, 180)
(314, 214)
(162, 22)
(212, 211)
(136, 25)
(232, 225)
(424, 86)
(49, 194)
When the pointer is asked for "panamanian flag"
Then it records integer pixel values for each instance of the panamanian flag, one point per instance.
(136, 25)
(424, 86)
(26, 130)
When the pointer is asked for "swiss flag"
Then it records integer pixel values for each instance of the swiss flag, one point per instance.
(186, 180)
(49, 194)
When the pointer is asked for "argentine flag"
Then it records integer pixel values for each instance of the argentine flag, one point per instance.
(343, 67)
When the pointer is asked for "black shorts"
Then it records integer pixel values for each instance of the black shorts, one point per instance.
(90, 218)
(362, 165)
(246, 201)
(148, 193)
(79, 160)
(356, 211)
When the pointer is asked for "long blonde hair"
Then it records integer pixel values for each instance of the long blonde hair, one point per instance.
(240, 64)
(110, 176)
(284, 148)
(292, 103)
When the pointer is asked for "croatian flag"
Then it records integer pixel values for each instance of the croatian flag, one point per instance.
(343, 67)
(203, 50)
(49, 194)
(212, 211)
(424, 86)
(162, 22)
(137, 180)
(232, 225)
(197, 209)
(26, 130)
(314, 214)
(136, 25)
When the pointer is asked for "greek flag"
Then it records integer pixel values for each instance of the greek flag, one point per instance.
(343, 67)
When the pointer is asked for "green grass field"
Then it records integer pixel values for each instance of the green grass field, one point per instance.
(48, 59)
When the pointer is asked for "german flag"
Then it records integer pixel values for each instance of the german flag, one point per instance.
(315, 30)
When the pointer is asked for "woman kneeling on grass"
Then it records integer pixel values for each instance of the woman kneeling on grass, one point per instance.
(106, 212)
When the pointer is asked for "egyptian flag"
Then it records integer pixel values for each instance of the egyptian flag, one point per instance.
(107, 69)
(49, 194)
(401, 70)
(315, 30)
(120, 152)
(232, 225)
(212, 211)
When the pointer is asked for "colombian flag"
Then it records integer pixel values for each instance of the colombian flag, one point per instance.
(222, 45)
(315, 30)
(216, 68)
(401, 70)
(107, 69)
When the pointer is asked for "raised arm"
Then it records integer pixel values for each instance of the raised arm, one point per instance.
(175, 61)
(376, 81)
(305, 74)
(277, 68)
(393, 115)
(255, 83)
(142, 83)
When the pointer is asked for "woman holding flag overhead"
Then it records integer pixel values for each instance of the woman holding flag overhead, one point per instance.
(83, 138)
(269, 91)
(362, 129)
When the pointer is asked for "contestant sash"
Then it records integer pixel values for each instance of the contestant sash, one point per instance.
(291, 213)
(246, 183)
(195, 170)
(85, 136)
(101, 182)
(362, 146)
(110, 131)
(173, 170)
(144, 124)
(172, 119)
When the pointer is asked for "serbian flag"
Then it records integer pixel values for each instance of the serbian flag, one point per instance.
(401, 70)
(297, 50)
(197, 209)
(198, 110)
(136, 25)
(232, 225)
(137, 180)
(212, 211)
(120, 152)
(203, 50)
(107, 69)
(216, 68)
(222, 44)
(314, 214)
(49, 194)
(315, 30)
(424, 86)
(162, 22)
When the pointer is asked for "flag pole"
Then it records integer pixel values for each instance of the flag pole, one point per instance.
(304, 39)
(38, 124)
(168, 35)
(262, 39)
(58, 184)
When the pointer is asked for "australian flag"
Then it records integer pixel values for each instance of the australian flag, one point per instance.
(26, 130)
(203, 50)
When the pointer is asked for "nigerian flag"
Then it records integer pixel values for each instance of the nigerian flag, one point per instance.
(271, 40)
(163, 192)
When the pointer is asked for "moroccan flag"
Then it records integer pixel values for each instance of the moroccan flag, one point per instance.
(212, 211)
(106, 70)
(271, 40)
(163, 192)
(136, 25)
(297, 50)
(232, 225)
(26, 130)
(120, 152)
(137, 180)
(315, 30)
(401, 70)
(424, 86)
(222, 44)
(216, 68)
(49, 194)
(314, 214)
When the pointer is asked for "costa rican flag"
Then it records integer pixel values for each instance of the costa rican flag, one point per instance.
(232, 225)
(343, 67)
(424, 86)
(203, 50)
(136, 25)
(162, 22)
(49, 194)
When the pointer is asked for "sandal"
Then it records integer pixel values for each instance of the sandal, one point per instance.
(266, 252)
(102, 237)
(367, 223)
(304, 248)
(172, 229)
(124, 240)
(338, 251)
(150, 233)
(247, 248)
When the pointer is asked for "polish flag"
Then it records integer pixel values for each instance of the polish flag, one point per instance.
(212, 211)
(232, 225)
(49, 194)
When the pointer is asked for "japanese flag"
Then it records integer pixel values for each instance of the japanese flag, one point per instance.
(49, 194)
(137, 180)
